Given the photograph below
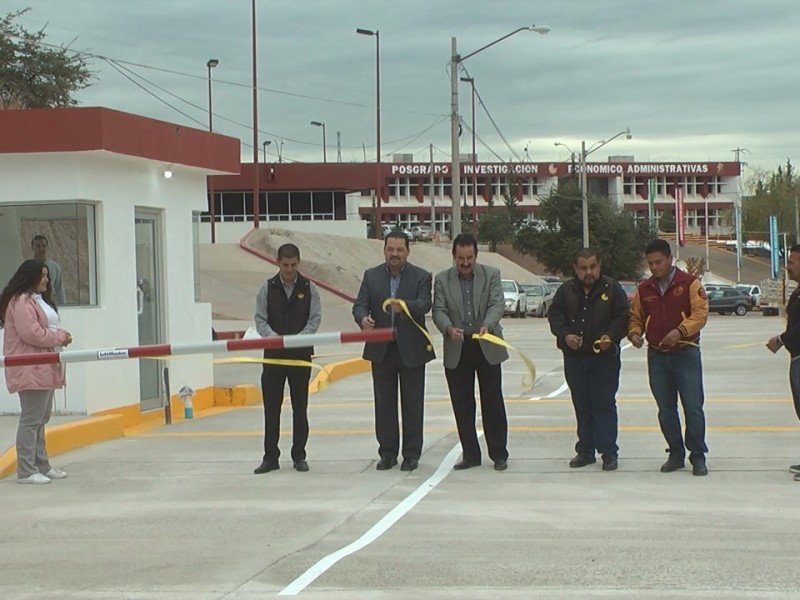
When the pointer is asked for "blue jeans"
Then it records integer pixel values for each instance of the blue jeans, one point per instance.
(593, 382)
(794, 381)
(672, 374)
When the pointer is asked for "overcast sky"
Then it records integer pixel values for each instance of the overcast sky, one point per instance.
(692, 79)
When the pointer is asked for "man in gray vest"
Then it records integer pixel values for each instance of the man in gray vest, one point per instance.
(287, 304)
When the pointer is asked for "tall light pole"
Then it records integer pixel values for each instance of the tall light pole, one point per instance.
(584, 183)
(256, 186)
(324, 139)
(213, 62)
(455, 166)
(378, 174)
(210, 64)
(471, 81)
(264, 146)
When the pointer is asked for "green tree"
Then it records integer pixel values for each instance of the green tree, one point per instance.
(33, 74)
(499, 223)
(558, 234)
(775, 193)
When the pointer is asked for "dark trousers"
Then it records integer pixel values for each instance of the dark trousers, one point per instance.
(273, 380)
(385, 377)
(673, 374)
(461, 383)
(794, 381)
(593, 382)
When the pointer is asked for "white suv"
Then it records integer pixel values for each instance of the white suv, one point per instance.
(516, 302)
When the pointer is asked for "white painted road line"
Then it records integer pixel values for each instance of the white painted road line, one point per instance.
(377, 530)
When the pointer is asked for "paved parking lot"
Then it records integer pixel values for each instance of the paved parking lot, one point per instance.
(177, 513)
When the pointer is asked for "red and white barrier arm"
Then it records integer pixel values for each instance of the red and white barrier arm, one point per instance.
(155, 351)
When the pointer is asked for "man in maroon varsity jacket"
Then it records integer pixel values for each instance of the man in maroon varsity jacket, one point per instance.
(669, 310)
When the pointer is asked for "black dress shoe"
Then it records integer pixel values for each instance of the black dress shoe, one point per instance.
(699, 467)
(673, 464)
(386, 463)
(500, 464)
(581, 460)
(267, 466)
(409, 464)
(300, 465)
(465, 463)
(610, 463)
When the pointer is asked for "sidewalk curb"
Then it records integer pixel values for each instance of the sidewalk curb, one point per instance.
(129, 420)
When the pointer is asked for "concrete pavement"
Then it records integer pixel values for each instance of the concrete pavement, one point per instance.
(177, 513)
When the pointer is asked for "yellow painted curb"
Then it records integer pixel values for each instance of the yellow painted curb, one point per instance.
(118, 422)
(339, 370)
(71, 436)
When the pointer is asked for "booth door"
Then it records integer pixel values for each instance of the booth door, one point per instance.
(149, 306)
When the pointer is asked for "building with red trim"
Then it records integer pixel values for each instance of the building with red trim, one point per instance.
(419, 193)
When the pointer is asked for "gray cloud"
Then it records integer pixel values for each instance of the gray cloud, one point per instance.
(692, 79)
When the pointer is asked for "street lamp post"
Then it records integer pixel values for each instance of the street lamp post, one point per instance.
(324, 139)
(256, 186)
(378, 173)
(212, 209)
(471, 81)
(264, 146)
(455, 166)
(210, 64)
(584, 182)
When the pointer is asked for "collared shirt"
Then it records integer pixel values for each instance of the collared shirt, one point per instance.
(662, 286)
(314, 315)
(394, 283)
(467, 295)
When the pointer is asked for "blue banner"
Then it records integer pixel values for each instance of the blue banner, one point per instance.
(774, 246)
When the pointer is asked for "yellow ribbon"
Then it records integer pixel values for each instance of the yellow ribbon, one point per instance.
(530, 377)
(597, 346)
(388, 302)
(278, 361)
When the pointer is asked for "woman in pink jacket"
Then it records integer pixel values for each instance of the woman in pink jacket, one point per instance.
(29, 318)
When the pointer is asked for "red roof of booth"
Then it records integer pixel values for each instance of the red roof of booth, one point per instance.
(82, 129)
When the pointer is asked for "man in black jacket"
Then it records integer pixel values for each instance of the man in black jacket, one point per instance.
(287, 304)
(589, 317)
(404, 358)
(791, 337)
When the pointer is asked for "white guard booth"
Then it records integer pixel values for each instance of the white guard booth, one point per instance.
(117, 197)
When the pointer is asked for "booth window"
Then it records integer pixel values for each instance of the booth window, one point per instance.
(70, 233)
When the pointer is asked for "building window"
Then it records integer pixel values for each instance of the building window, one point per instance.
(196, 254)
(69, 233)
(530, 187)
(628, 186)
(400, 188)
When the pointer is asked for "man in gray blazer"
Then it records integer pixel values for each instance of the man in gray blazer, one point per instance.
(468, 299)
(405, 357)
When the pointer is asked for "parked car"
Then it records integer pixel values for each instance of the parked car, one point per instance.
(727, 301)
(630, 289)
(421, 233)
(718, 286)
(516, 302)
(753, 291)
(554, 285)
(387, 228)
(538, 298)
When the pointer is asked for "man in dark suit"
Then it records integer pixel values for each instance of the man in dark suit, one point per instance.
(468, 299)
(402, 359)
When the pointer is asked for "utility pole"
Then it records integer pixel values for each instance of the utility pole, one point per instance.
(584, 196)
(338, 146)
(433, 195)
